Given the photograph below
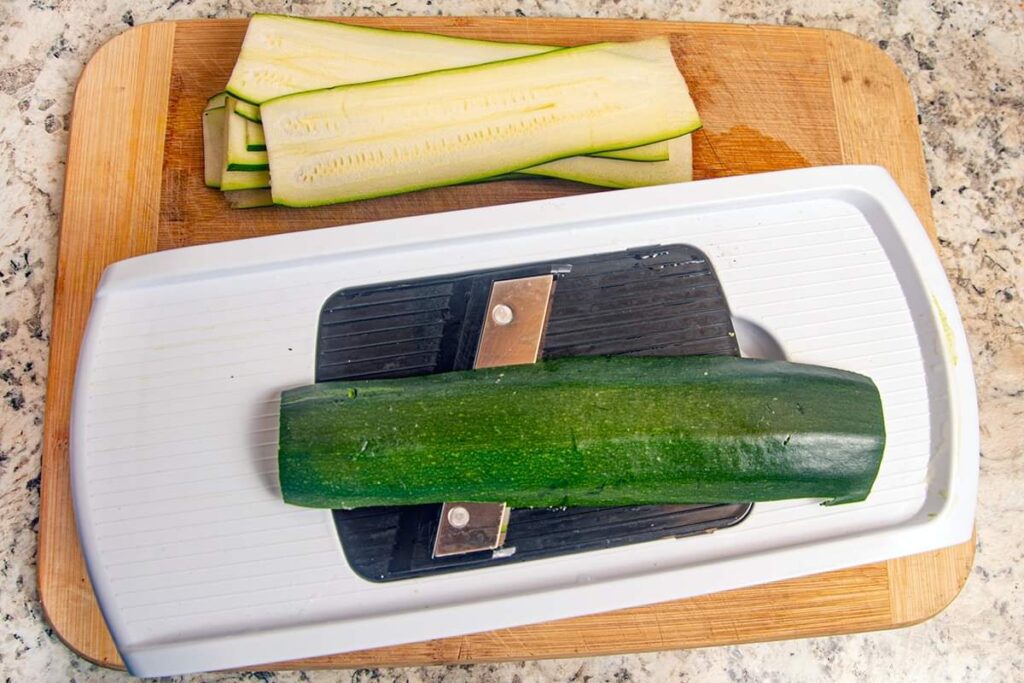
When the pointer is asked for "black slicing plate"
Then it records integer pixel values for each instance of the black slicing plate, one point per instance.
(654, 301)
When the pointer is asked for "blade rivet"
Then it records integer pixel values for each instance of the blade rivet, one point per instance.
(458, 517)
(502, 314)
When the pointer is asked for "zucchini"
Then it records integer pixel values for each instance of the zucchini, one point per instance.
(375, 139)
(244, 180)
(254, 140)
(656, 151)
(213, 145)
(237, 153)
(286, 55)
(581, 169)
(585, 432)
(215, 170)
(238, 180)
(620, 174)
(248, 111)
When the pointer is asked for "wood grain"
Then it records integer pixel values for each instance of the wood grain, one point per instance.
(770, 97)
(111, 212)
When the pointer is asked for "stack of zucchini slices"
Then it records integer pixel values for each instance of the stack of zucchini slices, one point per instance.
(318, 112)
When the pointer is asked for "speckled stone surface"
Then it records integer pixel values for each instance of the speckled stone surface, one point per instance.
(965, 62)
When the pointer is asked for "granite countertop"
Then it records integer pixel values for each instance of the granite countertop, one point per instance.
(963, 60)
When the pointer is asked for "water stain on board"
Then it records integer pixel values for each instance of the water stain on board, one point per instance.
(741, 150)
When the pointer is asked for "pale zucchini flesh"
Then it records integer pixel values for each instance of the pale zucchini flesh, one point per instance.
(656, 151)
(284, 55)
(216, 101)
(250, 112)
(474, 122)
(254, 140)
(249, 199)
(244, 180)
(213, 146)
(213, 166)
(622, 174)
(239, 156)
(238, 180)
(581, 169)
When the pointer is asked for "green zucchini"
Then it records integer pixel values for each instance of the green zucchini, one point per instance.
(239, 156)
(621, 174)
(446, 127)
(286, 55)
(254, 140)
(585, 432)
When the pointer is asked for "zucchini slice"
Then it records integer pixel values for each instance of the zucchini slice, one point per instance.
(238, 180)
(250, 112)
(585, 431)
(387, 137)
(244, 180)
(216, 101)
(284, 55)
(621, 174)
(656, 151)
(580, 169)
(254, 140)
(238, 155)
(213, 146)
(602, 172)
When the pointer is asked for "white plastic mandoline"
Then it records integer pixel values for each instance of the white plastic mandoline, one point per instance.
(199, 565)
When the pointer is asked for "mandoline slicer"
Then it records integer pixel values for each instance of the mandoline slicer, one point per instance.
(198, 564)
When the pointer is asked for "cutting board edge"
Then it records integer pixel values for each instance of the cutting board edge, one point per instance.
(144, 54)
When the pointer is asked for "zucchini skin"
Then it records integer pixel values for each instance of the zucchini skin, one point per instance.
(592, 431)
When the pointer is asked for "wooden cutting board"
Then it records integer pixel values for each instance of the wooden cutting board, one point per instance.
(770, 97)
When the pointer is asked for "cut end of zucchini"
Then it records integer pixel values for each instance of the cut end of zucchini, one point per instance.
(237, 153)
(216, 101)
(616, 173)
(248, 111)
